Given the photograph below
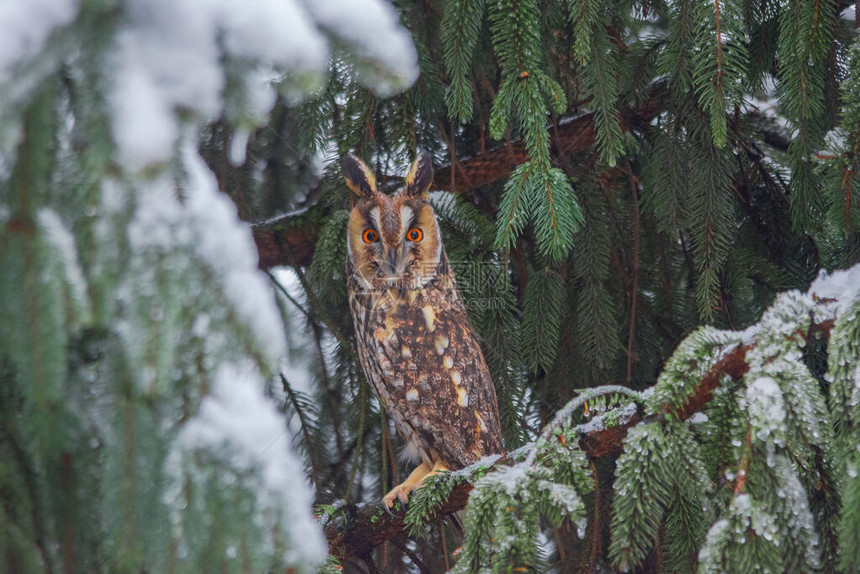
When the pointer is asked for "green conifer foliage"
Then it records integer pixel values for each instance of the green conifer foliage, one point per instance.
(623, 188)
(636, 197)
(138, 340)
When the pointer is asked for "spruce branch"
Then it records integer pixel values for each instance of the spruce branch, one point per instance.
(301, 406)
(291, 239)
(359, 528)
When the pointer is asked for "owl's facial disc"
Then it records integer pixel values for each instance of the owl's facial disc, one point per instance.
(405, 249)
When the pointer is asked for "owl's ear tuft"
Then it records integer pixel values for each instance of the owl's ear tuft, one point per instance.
(420, 176)
(359, 177)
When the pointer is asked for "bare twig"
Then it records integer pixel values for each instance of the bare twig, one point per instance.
(412, 556)
(634, 192)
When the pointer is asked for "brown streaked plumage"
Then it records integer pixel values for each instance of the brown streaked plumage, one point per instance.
(415, 341)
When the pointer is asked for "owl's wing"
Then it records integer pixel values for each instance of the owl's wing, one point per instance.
(426, 363)
(463, 398)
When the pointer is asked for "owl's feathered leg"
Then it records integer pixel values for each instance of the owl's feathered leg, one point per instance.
(438, 467)
(401, 491)
(415, 480)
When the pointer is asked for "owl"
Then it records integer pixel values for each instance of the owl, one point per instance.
(415, 342)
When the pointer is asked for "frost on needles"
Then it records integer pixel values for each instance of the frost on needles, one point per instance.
(762, 477)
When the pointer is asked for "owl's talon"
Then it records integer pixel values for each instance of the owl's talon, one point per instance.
(398, 493)
(388, 510)
(403, 496)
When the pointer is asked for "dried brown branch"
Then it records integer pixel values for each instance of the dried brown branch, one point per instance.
(634, 288)
(293, 246)
(361, 529)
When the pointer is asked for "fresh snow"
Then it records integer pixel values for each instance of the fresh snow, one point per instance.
(844, 286)
(691, 361)
(169, 58)
(766, 408)
(621, 417)
(64, 244)
(567, 411)
(697, 419)
(745, 515)
(485, 462)
(25, 25)
(169, 68)
(509, 478)
(714, 538)
(371, 29)
(796, 513)
(237, 419)
(207, 222)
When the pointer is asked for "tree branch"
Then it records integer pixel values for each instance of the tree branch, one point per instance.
(282, 242)
(361, 528)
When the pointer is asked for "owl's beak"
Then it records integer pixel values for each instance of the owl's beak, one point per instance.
(392, 262)
(392, 257)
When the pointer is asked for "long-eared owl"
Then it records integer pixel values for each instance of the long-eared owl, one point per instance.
(415, 341)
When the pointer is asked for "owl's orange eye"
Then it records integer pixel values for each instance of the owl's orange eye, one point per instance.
(415, 234)
(370, 236)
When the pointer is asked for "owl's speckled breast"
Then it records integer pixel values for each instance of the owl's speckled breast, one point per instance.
(420, 353)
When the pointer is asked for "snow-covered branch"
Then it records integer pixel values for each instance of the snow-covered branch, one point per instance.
(358, 529)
